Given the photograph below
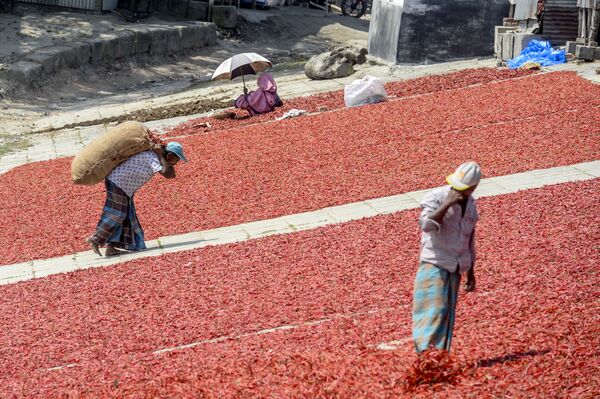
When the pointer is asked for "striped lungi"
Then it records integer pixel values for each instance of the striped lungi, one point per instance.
(119, 224)
(434, 307)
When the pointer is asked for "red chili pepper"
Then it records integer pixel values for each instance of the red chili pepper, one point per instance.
(267, 170)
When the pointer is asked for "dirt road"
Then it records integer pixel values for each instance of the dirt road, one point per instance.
(288, 36)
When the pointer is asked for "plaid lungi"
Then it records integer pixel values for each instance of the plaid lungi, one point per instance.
(119, 224)
(434, 307)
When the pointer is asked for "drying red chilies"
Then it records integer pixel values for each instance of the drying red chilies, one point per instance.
(337, 293)
(434, 366)
(335, 100)
(268, 170)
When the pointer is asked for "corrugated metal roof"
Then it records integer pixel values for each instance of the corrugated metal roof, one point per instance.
(561, 20)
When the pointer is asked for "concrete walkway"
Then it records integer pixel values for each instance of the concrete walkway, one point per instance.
(292, 223)
(68, 142)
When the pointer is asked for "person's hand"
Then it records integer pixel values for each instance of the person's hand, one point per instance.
(454, 197)
(245, 91)
(159, 152)
(470, 285)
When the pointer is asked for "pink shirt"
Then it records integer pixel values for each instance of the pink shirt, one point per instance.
(262, 100)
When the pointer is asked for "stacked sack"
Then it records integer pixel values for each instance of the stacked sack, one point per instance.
(103, 154)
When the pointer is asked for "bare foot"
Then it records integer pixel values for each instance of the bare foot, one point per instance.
(94, 246)
(112, 251)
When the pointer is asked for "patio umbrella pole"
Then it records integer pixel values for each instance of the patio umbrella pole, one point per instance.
(244, 81)
(235, 66)
(246, 94)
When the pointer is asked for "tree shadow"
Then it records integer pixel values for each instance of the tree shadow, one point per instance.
(513, 357)
(10, 31)
(289, 23)
(287, 36)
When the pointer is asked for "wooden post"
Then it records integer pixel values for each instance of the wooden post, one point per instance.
(211, 4)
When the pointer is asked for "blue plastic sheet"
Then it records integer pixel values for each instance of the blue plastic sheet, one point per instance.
(538, 51)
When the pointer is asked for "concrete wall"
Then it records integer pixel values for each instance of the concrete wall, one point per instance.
(385, 28)
(138, 39)
(432, 31)
(525, 10)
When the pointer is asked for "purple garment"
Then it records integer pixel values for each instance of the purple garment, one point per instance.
(262, 100)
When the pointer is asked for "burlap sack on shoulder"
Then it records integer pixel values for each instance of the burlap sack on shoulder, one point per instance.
(104, 153)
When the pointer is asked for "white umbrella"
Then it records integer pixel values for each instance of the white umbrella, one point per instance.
(240, 65)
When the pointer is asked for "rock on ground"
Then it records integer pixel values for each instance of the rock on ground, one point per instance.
(338, 62)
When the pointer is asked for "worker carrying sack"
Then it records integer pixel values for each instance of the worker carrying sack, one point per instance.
(104, 153)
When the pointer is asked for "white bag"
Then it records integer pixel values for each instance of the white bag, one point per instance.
(366, 90)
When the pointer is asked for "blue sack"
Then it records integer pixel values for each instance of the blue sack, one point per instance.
(538, 51)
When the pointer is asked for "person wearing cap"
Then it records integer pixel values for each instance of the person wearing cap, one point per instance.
(447, 220)
(118, 227)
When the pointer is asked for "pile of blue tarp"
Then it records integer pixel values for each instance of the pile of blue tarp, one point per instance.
(538, 51)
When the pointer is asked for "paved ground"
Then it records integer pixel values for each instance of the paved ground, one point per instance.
(142, 84)
(41, 43)
(67, 142)
(140, 80)
(326, 310)
(293, 223)
(43, 146)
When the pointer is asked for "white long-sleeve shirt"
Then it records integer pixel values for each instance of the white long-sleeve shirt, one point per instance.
(451, 243)
(132, 174)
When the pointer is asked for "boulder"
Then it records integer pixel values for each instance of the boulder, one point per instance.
(337, 62)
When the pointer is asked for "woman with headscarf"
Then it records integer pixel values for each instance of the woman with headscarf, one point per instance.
(262, 100)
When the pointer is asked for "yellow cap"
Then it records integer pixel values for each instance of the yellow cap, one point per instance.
(466, 176)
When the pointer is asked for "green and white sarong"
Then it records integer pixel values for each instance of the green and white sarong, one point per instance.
(434, 306)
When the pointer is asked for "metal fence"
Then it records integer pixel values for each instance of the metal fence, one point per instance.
(95, 5)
